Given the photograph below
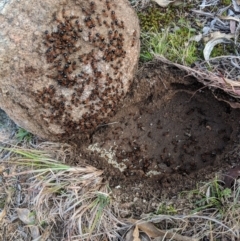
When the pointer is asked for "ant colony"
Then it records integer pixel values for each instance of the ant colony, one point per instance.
(85, 55)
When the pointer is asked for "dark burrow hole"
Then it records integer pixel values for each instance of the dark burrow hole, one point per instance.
(168, 144)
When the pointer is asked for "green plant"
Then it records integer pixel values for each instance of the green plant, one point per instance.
(2, 202)
(172, 43)
(153, 43)
(213, 195)
(226, 2)
(222, 49)
(23, 135)
(181, 50)
(44, 224)
(155, 18)
(166, 209)
(101, 201)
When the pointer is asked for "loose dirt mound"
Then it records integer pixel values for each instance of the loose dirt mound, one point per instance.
(170, 134)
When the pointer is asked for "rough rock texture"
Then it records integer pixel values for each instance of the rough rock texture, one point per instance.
(65, 65)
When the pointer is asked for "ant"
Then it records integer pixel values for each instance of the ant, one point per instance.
(121, 25)
(113, 15)
(134, 38)
(84, 10)
(108, 4)
(99, 21)
(104, 13)
(92, 6)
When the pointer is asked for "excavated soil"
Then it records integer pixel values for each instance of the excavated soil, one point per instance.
(170, 134)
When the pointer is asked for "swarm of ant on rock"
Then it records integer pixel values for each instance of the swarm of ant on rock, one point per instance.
(86, 49)
(92, 76)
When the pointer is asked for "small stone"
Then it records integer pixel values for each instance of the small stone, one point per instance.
(154, 205)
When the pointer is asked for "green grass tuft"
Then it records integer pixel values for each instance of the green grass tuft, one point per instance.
(23, 135)
(163, 208)
(172, 43)
(213, 195)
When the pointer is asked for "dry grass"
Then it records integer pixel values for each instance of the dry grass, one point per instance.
(208, 78)
(139, 4)
(57, 194)
(73, 203)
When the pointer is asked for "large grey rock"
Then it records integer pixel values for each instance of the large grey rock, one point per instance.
(65, 65)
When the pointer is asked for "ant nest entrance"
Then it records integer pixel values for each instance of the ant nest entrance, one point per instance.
(78, 68)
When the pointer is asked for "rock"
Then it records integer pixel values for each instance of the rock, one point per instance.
(65, 65)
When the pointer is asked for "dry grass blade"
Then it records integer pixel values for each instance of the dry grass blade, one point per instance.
(208, 78)
(3, 214)
(139, 4)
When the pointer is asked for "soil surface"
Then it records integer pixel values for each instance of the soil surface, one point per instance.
(170, 134)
